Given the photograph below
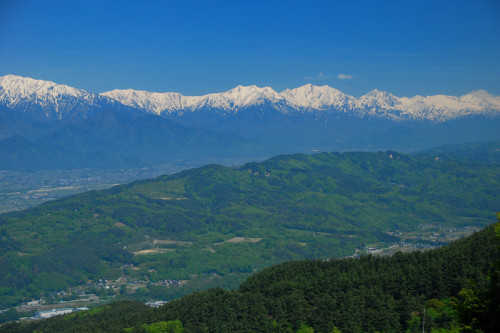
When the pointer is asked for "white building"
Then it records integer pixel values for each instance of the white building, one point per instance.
(156, 304)
(52, 313)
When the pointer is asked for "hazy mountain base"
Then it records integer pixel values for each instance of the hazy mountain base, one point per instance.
(286, 208)
(124, 138)
(338, 131)
(111, 139)
(406, 292)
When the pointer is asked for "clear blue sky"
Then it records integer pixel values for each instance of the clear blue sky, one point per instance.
(197, 47)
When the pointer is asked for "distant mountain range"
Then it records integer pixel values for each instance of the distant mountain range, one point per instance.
(253, 121)
(44, 100)
(59, 101)
(316, 100)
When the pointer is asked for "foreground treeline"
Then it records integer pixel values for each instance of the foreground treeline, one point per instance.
(458, 286)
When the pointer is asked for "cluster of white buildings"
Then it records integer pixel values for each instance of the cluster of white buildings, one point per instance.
(57, 312)
(156, 304)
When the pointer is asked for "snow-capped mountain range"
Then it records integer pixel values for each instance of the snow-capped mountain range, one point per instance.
(48, 125)
(58, 101)
(45, 99)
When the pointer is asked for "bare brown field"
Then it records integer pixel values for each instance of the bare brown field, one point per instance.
(152, 251)
(240, 240)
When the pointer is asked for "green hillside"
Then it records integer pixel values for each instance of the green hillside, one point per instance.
(478, 152)
(216, 225)
(454, 287)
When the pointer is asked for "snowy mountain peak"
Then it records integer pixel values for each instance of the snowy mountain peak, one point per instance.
(375, 93)
(14, 87)
(381, 99)
(152, 102)
(238, 97)
(168, 102)
(326, 99)
(482, 98)
(54, 101)
(248, 94)
(312, 89)
(480, 94)
(316, 97)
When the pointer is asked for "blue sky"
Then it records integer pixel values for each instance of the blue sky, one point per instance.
(197, 47)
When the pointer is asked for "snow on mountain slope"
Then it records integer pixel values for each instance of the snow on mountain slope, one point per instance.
(169, 102)
(16, 87)
(380, 99)
(238, 97)
(435, 108)
(56, 101)
(318, 98)
(481, 99)
(152, 102)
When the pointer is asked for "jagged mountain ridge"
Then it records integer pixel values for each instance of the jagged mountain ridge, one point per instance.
(325, 99)
(41, 100)
(304, 119)
(54, 101)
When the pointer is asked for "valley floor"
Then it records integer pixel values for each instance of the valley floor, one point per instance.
(96, 293)
(22, 190)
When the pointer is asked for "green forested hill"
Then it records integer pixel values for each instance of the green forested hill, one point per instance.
(226, 223)
(478, 152)
(370, 294)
